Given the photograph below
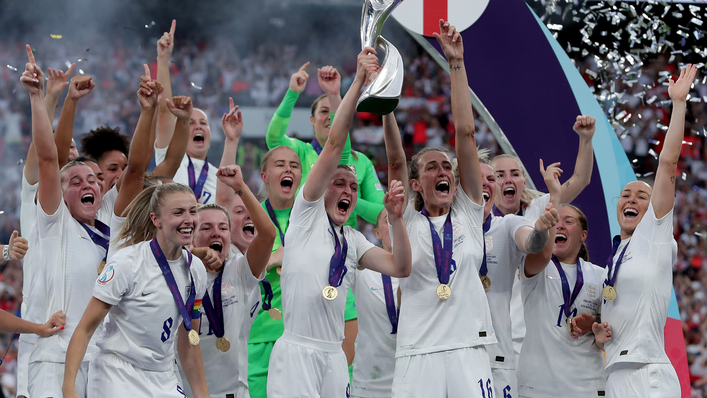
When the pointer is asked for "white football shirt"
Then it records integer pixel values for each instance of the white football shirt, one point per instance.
(32, 307)
(208, 195)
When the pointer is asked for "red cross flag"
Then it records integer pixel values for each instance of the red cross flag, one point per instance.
(422, 16)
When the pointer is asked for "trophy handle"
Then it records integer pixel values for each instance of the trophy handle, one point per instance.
(382, 95)
(373, 17)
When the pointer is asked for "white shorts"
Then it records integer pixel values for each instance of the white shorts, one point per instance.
(505, 383)
(23, 352)
(46, 379)
(111, 376)
(656, 380)
(463, 372)
(304, 367)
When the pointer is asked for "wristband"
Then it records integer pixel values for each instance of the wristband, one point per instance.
(6, 253)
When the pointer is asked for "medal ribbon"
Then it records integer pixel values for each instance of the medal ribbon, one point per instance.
(267, 299)
(498, 213)
(273, 218)
(317, 146)
(487, 224)
(215, 313)
(96, 238)
(197, 186)
(393, 310)
(443, 254)
(169, 277)
(611, 279)
(337, 265)
(569, 300)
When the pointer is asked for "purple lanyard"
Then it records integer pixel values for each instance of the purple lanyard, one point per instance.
(98, 239)
(443, 254)
(569, 300)
(317, 146)
(487, 224)
(214, 313)
(393, 310)
(273, 218)
(197, 186)
(267, 299)
(169, 277)
(498, 213)
(337, 265)
(611, 279)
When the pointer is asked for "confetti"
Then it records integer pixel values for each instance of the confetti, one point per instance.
(80, 71)
(56, 36)
(684, 176)
(21, 161)
(195, 86)
(652, 153)
(700, 234)
(151, 24)
(12, 68)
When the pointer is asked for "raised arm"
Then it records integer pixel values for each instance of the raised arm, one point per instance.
(397, 161)
(370, 204)
(181, 107)
(260, 248)
(329, 81)
(232, 123)
(322, 171)
(133, 178)
(275, 135)
(465, 143)
(663, 195)
(584, 127)
(165, 119)
(535, 263)
(79, 87)
(56, 83)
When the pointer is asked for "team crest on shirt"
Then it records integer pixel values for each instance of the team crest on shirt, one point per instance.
(592, 291)
(226, 287)
(106, 276)
(489, 243)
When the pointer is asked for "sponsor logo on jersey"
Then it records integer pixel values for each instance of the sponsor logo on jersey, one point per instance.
(106, 276)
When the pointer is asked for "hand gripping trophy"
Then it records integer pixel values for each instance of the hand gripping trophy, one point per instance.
(382, 94)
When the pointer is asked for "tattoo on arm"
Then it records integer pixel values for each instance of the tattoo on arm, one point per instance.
(567, 183)
(536, 241)
(239, 192)
(456, 67)
(672, 179)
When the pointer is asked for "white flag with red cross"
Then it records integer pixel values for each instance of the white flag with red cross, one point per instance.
(422, 16)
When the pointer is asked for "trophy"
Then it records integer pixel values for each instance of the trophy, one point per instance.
(382, 94)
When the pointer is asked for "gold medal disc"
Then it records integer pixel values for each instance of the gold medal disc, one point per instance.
(101, 266)
(278, 270)
(330, 293)
(569, 325)
(193, 337)
(444, 291)
(609, 293)
(485, 282)
(223, 344)
(275, 314)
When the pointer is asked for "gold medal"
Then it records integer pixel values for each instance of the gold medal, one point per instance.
(444, 291)
(609, 293)
(485, 282)
(193, 337)
(223, 344)
(519, 274)
(275, 313)
(278, 270)
(569, 325)
(101, 266)
(330, 293)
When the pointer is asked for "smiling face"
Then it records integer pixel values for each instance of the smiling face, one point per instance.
(213, 231)
(570, 235)
(99, 175)
(243, 230)
(489, 187)
(321, 120)
(633, 204)
(176, 219)
(112, 164)
(435, 182)
(341, 197)
(511, 182)
(199, 135)
(82, 193)
(283, 175)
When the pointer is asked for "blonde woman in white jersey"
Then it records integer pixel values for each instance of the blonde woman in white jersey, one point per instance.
(319, 262)
(638, 279)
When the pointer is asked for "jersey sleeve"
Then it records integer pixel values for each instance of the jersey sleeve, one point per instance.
(160, 154)
(51, 225)
(198, 272)
(513, 224)
(471, 211)
(530, 284)
(245, 275)
(656, 230)
(370, 203)
(117, 278)
(275, 135)
(304, 212)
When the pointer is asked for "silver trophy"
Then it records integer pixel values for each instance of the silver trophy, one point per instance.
(381, 96)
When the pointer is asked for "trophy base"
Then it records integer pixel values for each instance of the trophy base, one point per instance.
(379, 106)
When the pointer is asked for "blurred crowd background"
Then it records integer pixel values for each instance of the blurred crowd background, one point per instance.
(220, 54)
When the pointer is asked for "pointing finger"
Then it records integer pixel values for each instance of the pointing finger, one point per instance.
(147, 71)
(303, 67)
(30, 55)
(173, 28)
(70, 70)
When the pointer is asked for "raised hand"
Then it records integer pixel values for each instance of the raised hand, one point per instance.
(80, 86)
(210, 258)
(180, 106)
(678, 90)
(232, 122)
(298, 80)
(394, 199)
(17, 246)
(585, 126)
(450, 40)
(58, 80)
(165, 44)
(54, 325)
(149, 90)
(602, 333)
(582, 324)
(32, 78)
(329, 80)
(233, 177)
(551, 175)
(547, 219)
(367, 64)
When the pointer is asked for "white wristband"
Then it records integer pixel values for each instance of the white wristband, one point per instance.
(6, 253)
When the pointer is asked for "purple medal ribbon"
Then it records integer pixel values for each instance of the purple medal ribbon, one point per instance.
(443, 254)
(169, 277)
(569, 300)
(337, 265)
(498, 213)
(487, 224)
(98, 239)
(214, 313)
(393, 310)
(197, 186)
(317, 146)
(611, 279)
(273, 218)
(267, 300)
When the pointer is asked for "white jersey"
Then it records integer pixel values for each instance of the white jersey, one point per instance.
(208, 194)
(225, 371)
(305, 272)
(141, 327)
(374, 363)
(105, 213)
(67, 267)
(427, 323)
(116, 227)
(33, 296)
(643, 289)
(552, 363)
(503, 257)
